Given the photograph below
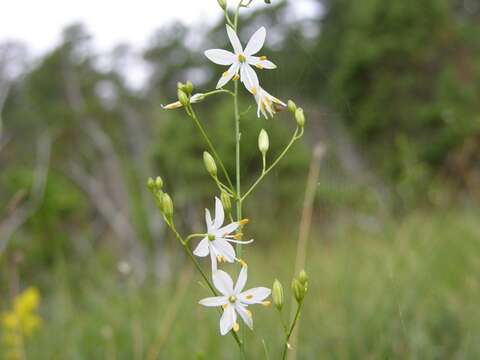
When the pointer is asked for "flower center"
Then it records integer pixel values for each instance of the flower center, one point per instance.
(242, 58)
(211, 237)
(232, 299)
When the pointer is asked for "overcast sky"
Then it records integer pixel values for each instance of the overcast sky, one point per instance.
(38, 22)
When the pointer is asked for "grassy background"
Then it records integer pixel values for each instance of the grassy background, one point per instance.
(407, 289)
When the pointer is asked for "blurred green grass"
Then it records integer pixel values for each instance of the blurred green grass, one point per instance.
(406, 289)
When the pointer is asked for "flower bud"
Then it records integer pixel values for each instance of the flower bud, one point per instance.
(167, 206)
(292, 107)
(189, 87)
(222, 3)
(180, 86)
(158, 182)
(263, 142)
(197, 98)
(227, 204)
(150, 184)
(298, 290)
(277, 294)
(210, 164)
(303, 278)
(300, 117)
(182, 97)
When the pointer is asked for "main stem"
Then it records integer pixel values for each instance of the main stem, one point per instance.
(287, 338)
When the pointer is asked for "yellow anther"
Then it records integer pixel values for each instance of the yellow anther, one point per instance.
(259, 66)
(224, 306)
(236, 327)
(266, 303)
(254, 90)
(225, 74)
(249, 297)
(263, 58)
(245, 221)
(238, 236)
(249, 312)
(221, 258)
(236, 77)
(242, 262)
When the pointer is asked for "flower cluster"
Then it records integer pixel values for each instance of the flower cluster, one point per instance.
(21, 322)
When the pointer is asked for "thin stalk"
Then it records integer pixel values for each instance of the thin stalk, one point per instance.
(287, 338)
(294, 138)
(193, 115)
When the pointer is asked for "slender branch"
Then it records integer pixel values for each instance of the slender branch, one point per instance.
(295, 137)
(194, 116)
(287, 338)
(219, 91)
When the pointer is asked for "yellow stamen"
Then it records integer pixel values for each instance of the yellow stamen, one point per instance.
(236, 327)
(266, 303)
(243, 263)
(225, 74)
(224, 306)
(236, 77)
(249, 312)
(254, 90)
(244, 221)
(238, 236)
(259, 66)
(221, 258)
(263, 58)
(248, 297)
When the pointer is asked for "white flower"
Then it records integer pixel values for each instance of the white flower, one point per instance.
(240, 60)
(218, 238)
(267, 104)
(233, 300)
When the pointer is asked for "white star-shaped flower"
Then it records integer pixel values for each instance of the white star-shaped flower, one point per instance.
(266, 104)
(235, 301)
(218, 238)
(240, 60)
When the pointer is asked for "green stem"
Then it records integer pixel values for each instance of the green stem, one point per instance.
(287, 338)
(218, 91)
(294, 138)
(193, 115)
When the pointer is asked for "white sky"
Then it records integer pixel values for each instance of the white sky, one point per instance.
(38, 22)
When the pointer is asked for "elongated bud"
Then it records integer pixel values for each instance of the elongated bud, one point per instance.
(263, 142)
(150, 184)
(180, 86)
(298, 290)
(277, 294)
(196, 98)
(300, 117)
(227, 204)
(158, 182)
(292, 107)
(222, 3)
(189, 87)
(303, 278)
(182, 97)
(167, 206)
(210, 165)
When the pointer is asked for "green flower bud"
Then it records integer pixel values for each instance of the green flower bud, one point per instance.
(227, 204)
(182, 97)
(167, 206)
(292, 107)
(263, 142)
(189, 87)
(300, 117)
(277, 294)
(180, 86)
(298, 290)
(210, 165)
(150, 184)
(222, 3)
(158, 182)
(303, 278)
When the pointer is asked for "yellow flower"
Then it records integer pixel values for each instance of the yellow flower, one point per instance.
(27, 301)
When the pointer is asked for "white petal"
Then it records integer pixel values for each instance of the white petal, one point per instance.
(244, 314)
(227, 229)
(225, 249)
(229, 318)
(213, 258)
(223, 282)
(240, 241)
(219, 213)
(255, 295)
(256, 41)
(208, 220)
(248, 77)
(202, 248)
(227, 75)
(214, 301)
(261, 64)
(220, 56)
(241, 281)
(234, 40)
